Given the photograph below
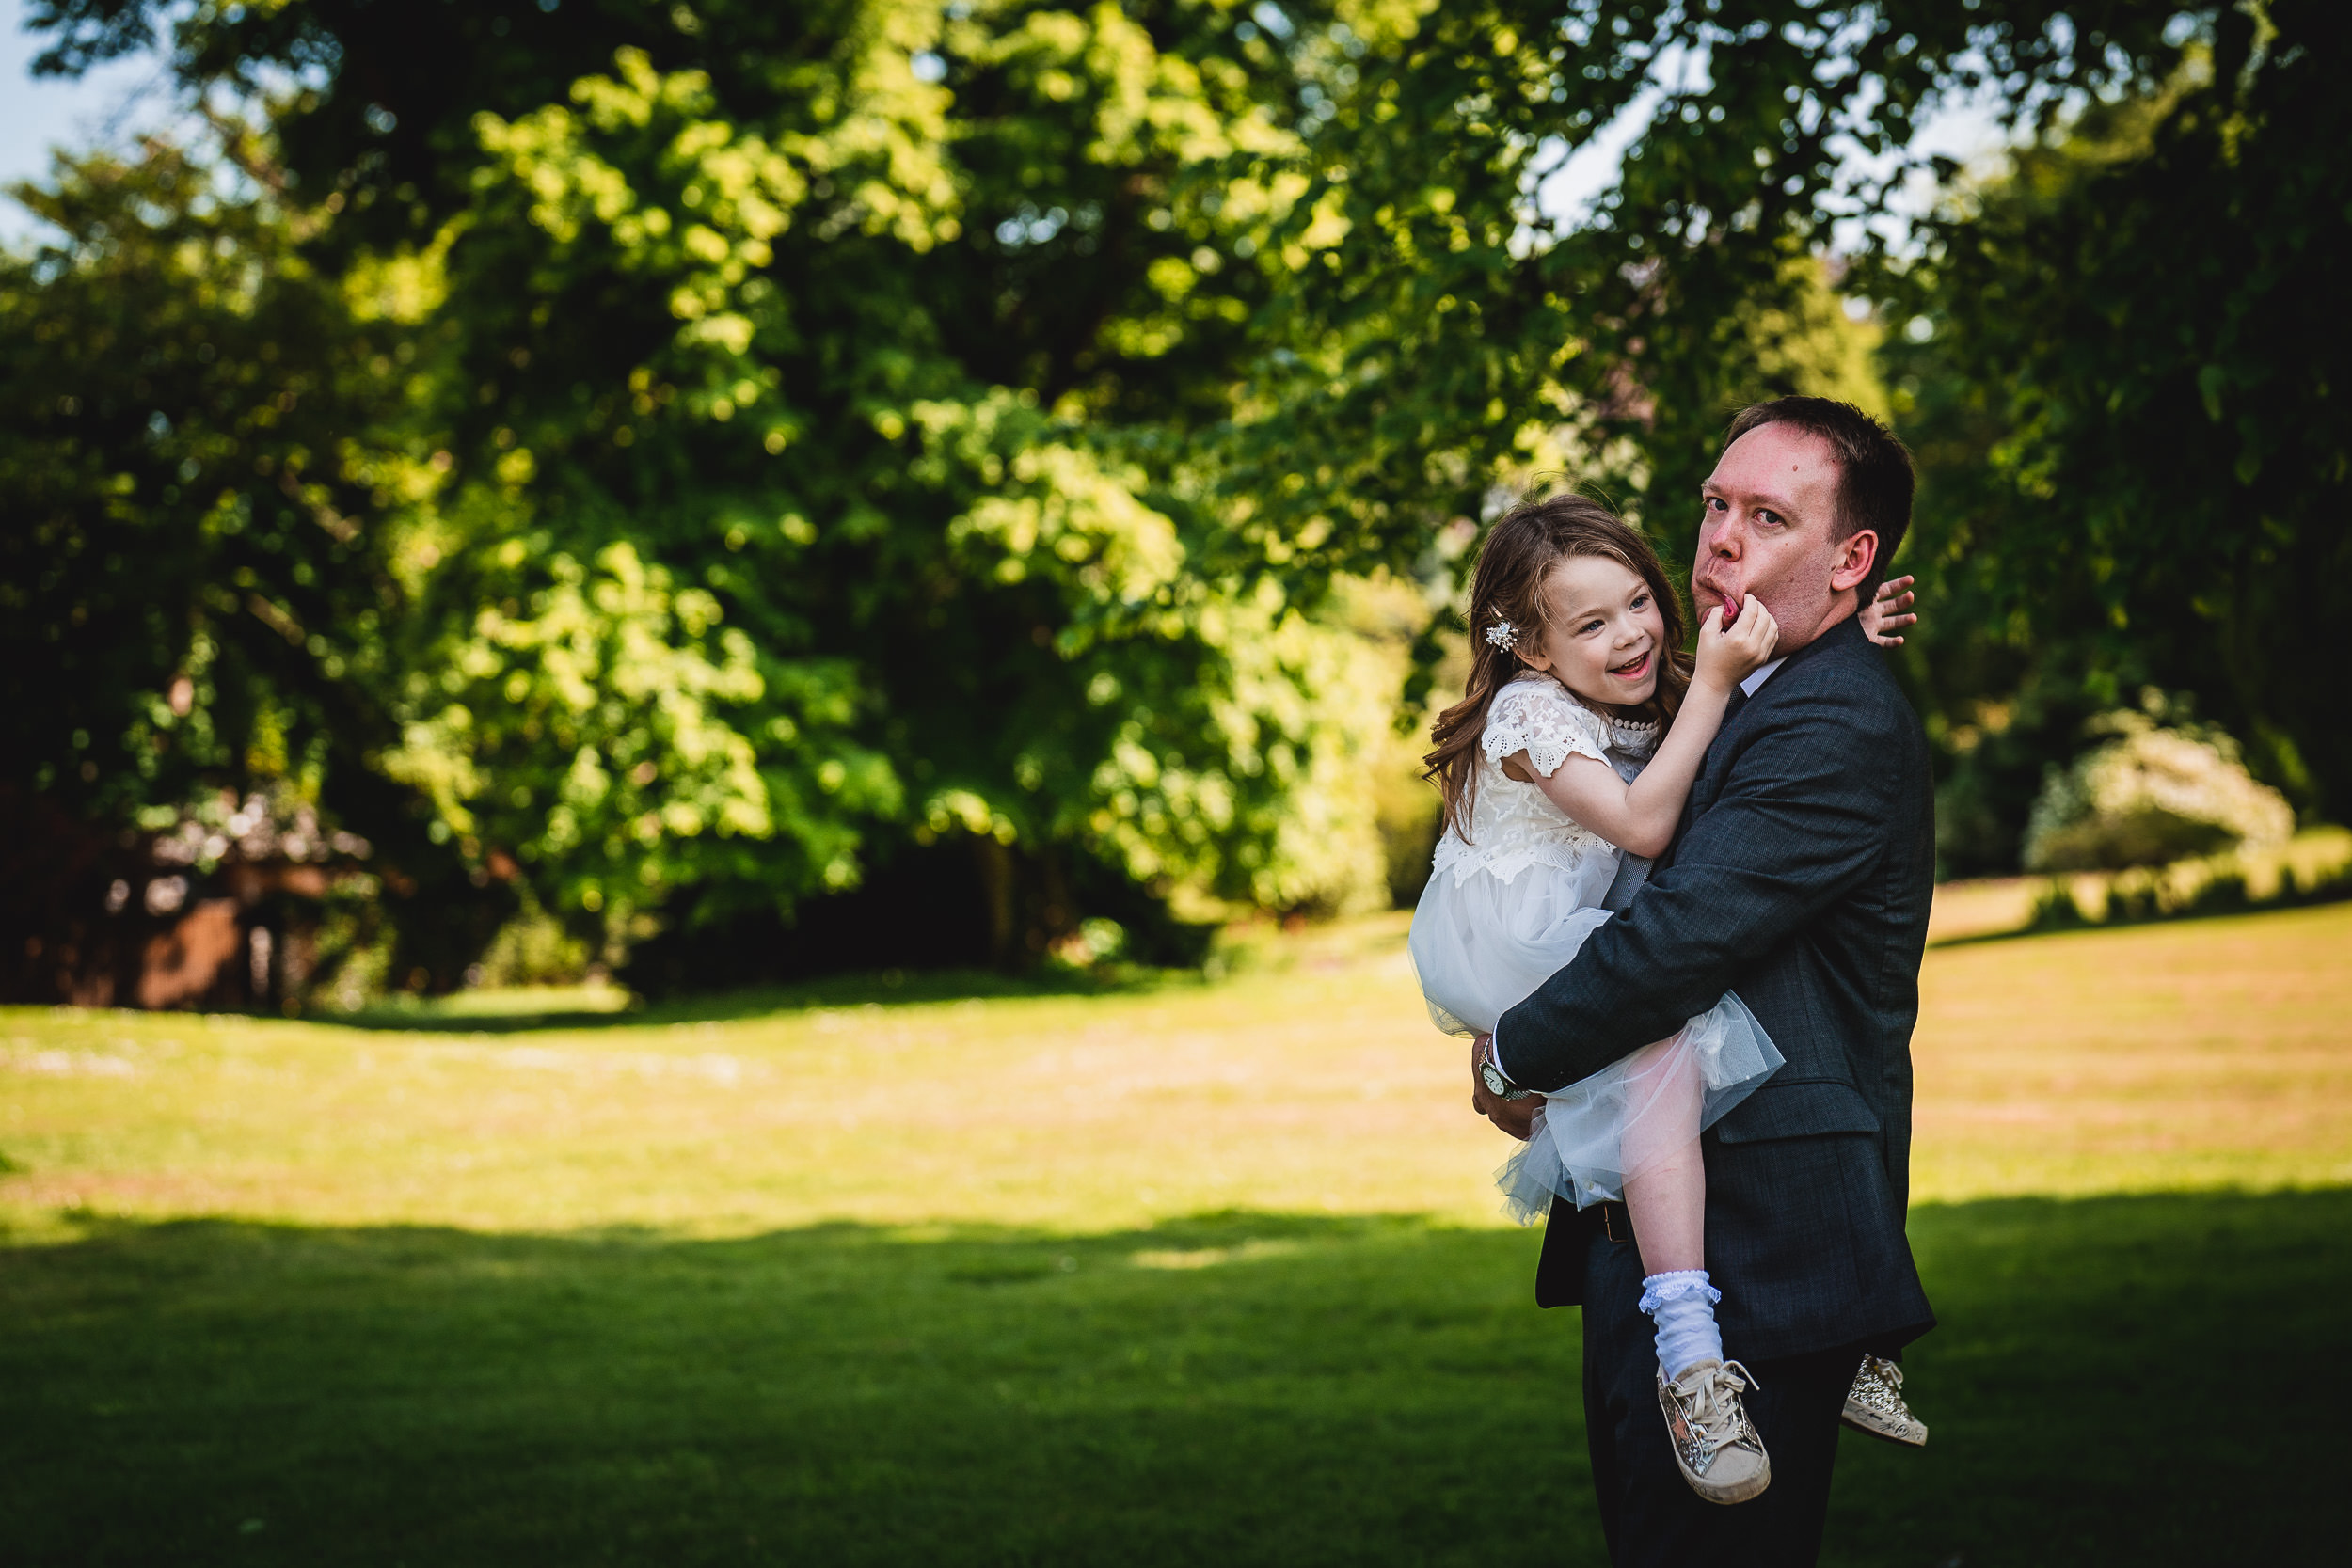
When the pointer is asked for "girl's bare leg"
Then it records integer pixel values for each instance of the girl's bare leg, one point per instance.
(1665, 1194)
(1666, 1190)
(1668, 1206)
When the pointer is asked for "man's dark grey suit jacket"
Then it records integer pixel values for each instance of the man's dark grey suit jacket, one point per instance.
(1800, 876)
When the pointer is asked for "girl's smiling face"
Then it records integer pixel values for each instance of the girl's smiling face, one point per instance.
(1606, 634)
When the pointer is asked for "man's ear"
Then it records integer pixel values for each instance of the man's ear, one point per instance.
(1856, 555)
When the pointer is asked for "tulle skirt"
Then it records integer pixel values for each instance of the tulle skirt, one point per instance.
(1593, 1135)
(1482, 945)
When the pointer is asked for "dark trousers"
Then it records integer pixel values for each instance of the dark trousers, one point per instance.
(1648, 1513)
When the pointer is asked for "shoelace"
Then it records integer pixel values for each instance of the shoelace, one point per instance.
(1709, 1413)
(1885, 1382)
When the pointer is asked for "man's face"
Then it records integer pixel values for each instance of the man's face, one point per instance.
(1772, 507)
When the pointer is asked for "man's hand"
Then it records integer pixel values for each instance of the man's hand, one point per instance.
(1515, 1117)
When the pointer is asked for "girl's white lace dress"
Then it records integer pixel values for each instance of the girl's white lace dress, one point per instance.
(1507, 907)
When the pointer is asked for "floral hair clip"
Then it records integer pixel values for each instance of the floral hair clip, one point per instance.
(1504, 635)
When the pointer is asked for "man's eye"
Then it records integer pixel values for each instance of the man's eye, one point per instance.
(1769, 519)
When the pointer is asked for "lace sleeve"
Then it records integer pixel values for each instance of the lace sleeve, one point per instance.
(1542, 719)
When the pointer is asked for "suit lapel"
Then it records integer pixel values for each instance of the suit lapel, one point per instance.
(1717, 762)
(1740, 714)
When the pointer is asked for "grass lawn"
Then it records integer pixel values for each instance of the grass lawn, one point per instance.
(1083, 1278)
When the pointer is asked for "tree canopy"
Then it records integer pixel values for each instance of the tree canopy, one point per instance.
(658, 462)
(2122, 379)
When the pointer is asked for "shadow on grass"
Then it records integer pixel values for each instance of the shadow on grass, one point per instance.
(1260, 949)
(2112, 1384)
(887, 987)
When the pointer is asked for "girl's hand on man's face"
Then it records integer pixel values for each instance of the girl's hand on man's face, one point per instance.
(1730, 654)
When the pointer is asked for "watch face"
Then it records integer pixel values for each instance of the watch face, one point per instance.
(1495, 1083)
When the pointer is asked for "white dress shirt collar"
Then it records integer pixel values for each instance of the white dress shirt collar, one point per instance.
(1762, 673)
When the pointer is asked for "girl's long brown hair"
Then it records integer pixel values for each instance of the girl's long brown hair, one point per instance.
(1520, 551)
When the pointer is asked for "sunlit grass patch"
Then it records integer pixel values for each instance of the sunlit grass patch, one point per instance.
(1210, 1257)
(2201, 1053)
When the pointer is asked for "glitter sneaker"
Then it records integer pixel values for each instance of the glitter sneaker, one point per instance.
(1715, 1445)
(1875, 1405)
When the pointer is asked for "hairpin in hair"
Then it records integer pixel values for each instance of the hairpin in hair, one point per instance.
(1504, 635)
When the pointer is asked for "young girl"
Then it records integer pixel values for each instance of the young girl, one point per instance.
(1578, 739)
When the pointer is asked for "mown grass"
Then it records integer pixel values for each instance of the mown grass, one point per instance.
(1101, 1279)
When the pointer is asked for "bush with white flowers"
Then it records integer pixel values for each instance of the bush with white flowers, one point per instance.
(2151, 795)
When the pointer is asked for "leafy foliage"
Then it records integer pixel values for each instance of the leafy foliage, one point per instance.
(193, 599)
(780, 435)
(819, 531)
(2131, 420)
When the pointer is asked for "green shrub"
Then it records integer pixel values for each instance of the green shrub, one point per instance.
(2153, 795)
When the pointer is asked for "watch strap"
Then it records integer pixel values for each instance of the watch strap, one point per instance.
(1497, 1081)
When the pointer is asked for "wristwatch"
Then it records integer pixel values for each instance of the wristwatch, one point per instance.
(1496, 1085)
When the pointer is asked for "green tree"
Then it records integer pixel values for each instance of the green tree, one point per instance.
(874, 420)
(772, 508)
(1440, 320)
(192, 598)
(2123, 388)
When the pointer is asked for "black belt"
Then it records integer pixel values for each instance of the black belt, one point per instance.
(1616, 1222)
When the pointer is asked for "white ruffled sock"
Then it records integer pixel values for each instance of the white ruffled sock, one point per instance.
(1682, 1305)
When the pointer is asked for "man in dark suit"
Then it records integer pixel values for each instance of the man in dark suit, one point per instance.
(1799, 877)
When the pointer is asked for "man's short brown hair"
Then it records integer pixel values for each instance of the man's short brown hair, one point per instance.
(1874, 474)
